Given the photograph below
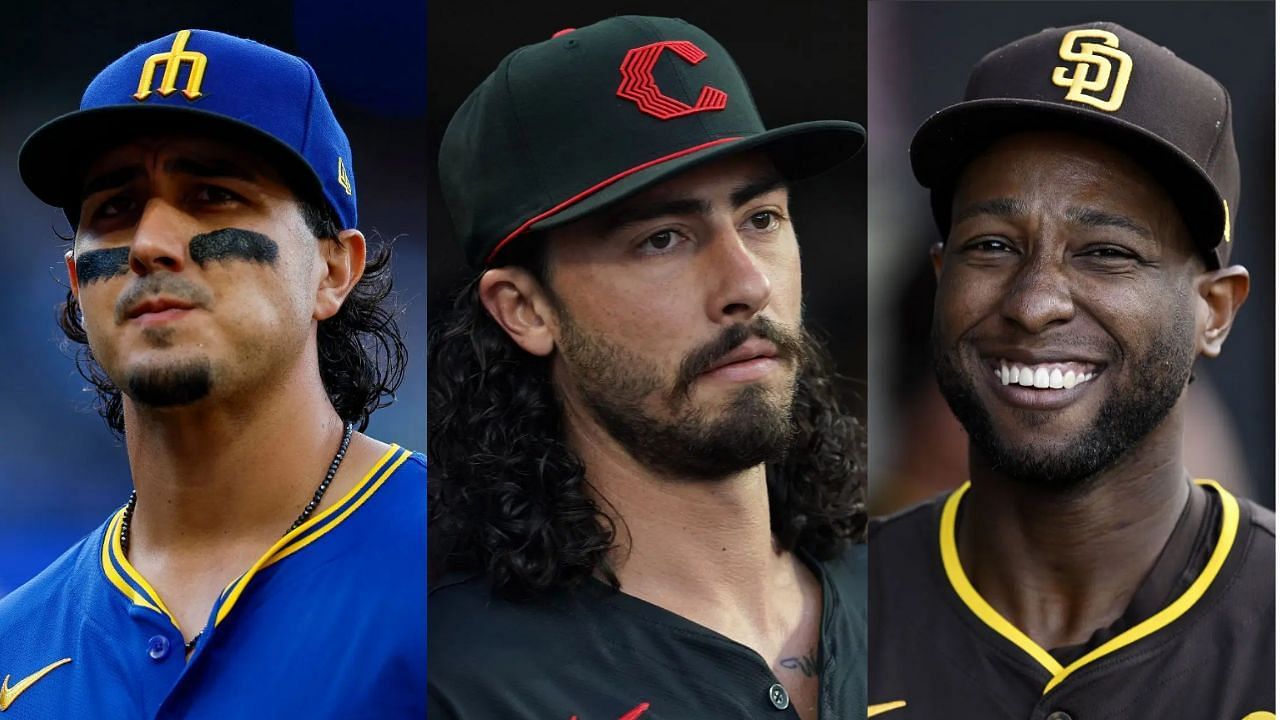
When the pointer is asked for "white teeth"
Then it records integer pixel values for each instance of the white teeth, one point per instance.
(1040, 377)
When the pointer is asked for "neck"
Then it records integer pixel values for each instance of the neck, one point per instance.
(1059, 566)
(216, 472)
(700, 548)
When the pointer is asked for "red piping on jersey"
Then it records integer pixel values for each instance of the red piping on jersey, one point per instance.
(596, 188)
(635, 712)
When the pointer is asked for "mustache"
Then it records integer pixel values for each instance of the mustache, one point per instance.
(789, 342)
(216, 246)
(162, 283)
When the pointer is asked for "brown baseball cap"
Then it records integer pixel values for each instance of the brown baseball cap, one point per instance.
(1103, 80)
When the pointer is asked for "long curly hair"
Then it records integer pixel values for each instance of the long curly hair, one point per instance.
(508, 499)
(362, 357)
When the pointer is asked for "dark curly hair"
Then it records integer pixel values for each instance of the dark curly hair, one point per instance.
(507, 497)
(362, 357)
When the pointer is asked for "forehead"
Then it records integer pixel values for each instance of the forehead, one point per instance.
(211, 153)
(1055, 169)
(716, 180)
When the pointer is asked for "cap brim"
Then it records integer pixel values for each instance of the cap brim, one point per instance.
(54, 159)
(799, 151)
(954, 136)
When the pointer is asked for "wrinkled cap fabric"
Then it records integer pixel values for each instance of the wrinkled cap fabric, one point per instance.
(1102, 80)
(568, 126)
(195, 81)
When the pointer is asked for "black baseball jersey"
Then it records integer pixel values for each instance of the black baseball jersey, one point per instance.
(591, 653)
(1197, 640)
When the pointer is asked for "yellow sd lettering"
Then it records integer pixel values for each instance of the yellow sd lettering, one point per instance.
(1098, 65)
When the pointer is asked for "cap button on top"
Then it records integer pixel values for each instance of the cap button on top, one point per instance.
(565, 31)
(158, 647)
(778, 696)
(1059, 715)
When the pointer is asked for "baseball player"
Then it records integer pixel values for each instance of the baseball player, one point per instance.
(643, 490)
(1085, 189)
(270, 560)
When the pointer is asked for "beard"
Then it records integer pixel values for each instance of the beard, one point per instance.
(618, 387)
(1139, 402)
(170, 386)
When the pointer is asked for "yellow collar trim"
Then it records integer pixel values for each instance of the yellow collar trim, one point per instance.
(114, 563)
(975, 602)
(317, 525)
(120, 572)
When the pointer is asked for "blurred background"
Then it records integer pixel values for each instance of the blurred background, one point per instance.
(61, 470)
(919, 58)
(804, 60)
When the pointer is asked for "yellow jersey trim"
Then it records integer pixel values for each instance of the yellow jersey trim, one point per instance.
(975, 602)
(882, 708)
(1176, 609)
(316, 526)
(116, 567)
(132, 585)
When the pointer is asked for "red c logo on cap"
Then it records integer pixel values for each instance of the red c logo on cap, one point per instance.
(639, 86)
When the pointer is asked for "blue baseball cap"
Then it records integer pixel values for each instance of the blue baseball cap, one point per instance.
(186, 81)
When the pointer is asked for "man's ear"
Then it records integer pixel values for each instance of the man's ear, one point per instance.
(1221, 294)
(935, 256)
(343, 265)
(517, 301)
(72, 276)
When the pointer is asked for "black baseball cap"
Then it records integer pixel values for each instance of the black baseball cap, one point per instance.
(1102, 80)
(570, 125)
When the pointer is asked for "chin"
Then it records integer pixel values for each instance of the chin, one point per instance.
(170, 384)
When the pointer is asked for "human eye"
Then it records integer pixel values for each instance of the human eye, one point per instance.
(990, 245)
(215, 195)
(660, 242)
(765, 220)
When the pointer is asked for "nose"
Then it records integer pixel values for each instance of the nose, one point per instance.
(741, 287)
(160, 239)
(1040, 295)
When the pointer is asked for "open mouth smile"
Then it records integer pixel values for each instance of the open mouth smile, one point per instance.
(1065, 374)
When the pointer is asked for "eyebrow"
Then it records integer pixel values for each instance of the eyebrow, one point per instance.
(1000, 207)
(694, 206)
(182, 166)
(1098, 218)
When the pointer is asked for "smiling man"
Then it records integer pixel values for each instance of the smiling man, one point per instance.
(1081, 572)
(232, 328)
(645, 497)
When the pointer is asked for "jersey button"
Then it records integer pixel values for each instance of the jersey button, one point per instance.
(778, 696)
(1059, 715)
(158, 647)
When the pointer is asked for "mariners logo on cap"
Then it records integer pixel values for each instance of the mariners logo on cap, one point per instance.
(1098, 57)
(639, 85)
(173, 60)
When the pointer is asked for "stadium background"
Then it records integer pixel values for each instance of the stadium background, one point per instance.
(61, 470)
(919, 59)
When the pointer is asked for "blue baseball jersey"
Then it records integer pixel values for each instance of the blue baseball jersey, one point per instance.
(329, 623)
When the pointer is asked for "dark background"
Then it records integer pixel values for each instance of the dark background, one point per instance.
(61, 470)
(802, 61)
(919, 60)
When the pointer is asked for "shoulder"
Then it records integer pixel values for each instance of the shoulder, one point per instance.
(906, 531)
(1258, 533)
(65, 589)
(477, 640)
